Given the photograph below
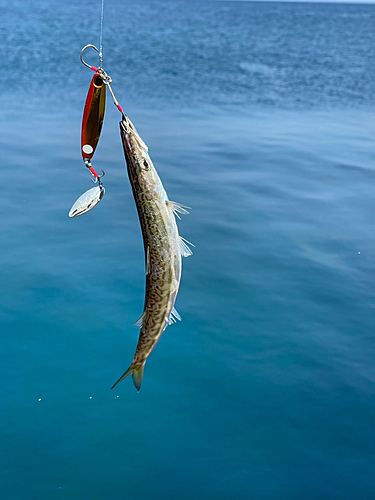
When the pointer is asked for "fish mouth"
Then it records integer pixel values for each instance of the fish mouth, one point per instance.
(125, 123)
(125, 134)
(128, 130)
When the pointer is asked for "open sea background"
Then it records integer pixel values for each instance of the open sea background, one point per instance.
(260, 116)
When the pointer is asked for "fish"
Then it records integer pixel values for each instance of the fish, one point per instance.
(163, 247)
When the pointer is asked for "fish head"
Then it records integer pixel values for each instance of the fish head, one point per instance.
(138, 160)
(132, 140)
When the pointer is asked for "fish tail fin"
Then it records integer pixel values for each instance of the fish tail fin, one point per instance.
(136, 371)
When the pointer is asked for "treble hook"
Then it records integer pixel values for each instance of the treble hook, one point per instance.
(100, 57)
(99, 179)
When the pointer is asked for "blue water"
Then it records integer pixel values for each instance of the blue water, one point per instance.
(259, 116)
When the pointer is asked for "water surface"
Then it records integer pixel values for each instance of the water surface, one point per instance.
(260, 117)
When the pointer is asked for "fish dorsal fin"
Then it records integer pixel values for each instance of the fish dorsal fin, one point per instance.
(184, 248)
(139, 321)
(177, 208)
(173, 317)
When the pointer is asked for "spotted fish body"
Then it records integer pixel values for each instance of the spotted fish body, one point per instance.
(163, 247)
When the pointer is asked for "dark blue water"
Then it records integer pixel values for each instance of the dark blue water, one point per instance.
(260, 116)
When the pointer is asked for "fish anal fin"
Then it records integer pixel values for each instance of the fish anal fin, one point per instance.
(173, 317)
(184, 247)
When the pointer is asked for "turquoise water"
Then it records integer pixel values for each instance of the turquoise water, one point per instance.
(259, 116)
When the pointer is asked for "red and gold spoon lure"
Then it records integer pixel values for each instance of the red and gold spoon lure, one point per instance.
(92, 123)
(93, 115)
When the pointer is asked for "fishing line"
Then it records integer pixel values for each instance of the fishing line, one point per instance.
(101, 37)
(107, 80)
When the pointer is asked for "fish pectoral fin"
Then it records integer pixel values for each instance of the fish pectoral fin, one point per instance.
(174, 316)
(184, 248)
(177, 208)
(137, 374)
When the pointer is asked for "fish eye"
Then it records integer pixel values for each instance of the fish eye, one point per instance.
(145, 164)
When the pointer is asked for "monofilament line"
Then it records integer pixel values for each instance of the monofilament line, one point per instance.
(101, 37)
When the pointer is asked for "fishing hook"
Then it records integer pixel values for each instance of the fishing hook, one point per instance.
(99, 179)
(85, 63)
(103, 75)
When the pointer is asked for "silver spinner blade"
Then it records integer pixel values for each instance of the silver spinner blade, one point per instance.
(87, 201)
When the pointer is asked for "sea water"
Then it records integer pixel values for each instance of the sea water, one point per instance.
(259, 116)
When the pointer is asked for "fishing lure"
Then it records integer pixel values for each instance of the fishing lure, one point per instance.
(92, 123)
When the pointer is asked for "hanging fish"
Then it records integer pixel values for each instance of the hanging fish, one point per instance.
(163, 246)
